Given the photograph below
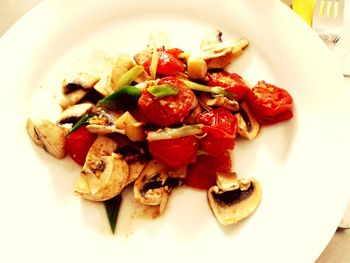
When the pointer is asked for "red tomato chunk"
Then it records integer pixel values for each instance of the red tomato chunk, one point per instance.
(232, 82)
(167, 110)
(221, 126)
(202, 174)
(270, 104)
(176, 152)
(78, 144)
(168, 63)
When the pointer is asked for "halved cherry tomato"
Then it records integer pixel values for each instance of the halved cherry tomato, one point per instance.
(232, 82)
(78, 144)
(167, 110)
(202, 174)
(220, 127)
(176, 152)
(168, 63)
(174, 51)
(270, 104)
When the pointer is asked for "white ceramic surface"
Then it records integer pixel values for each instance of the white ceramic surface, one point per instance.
(301, 164)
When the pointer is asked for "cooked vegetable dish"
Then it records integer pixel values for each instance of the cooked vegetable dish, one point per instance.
(164, 119)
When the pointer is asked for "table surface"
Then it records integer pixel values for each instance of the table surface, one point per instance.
(338, 249)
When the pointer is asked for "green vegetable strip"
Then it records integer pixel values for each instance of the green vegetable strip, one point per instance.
(126, 97)
(200, 87)
(163, 90)
(196, 86)
(112, 208)
(128, 77)
(81, 122)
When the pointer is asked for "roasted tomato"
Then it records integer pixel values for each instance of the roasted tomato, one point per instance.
(78, 144)
(220, 127)
(270, 104)
(168, 63)
(167, 110)
(232, 82)
(176, 152)
(202, 174)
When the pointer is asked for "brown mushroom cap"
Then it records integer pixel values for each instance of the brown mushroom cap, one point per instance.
(236, 201)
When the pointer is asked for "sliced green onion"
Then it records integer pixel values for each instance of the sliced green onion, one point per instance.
(172, 133)
(163, 90)
(124, 98)
(195, 86)
(128, 77)
(81, 122)
(112, 208)
(216, 90)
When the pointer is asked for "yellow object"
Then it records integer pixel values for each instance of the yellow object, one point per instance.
(304, 8)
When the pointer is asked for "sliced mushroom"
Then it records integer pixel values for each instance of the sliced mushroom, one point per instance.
(248, 126)
(154, 185)
(133, 129)
(104, 173)
(134, 154)
(220, 101)
(74, 90)
(74, 113)
(232, 200)
(104, 122)
(217, 53)
(214, 53)
(49, 136)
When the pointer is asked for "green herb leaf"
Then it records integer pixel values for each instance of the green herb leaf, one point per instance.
(81, 122)
(124, 98)
(163, 90)
(128, 77)
(112, 208)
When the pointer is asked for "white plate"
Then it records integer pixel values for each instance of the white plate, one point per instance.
(302, 164)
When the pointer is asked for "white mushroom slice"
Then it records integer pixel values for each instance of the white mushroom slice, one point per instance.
(135, 169)
(225, 53)
(74, 113)
(74, 90)
(211, 40)
(102, 146)
(104, 173)
(216, 54)
(133, 129)
(49, 136)
(102, 178)
(72, 98)
(248, 126)
(104, 123)
(83, 81)
(227, 181)
(154, 185)
(232, 200)
(220, 101)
